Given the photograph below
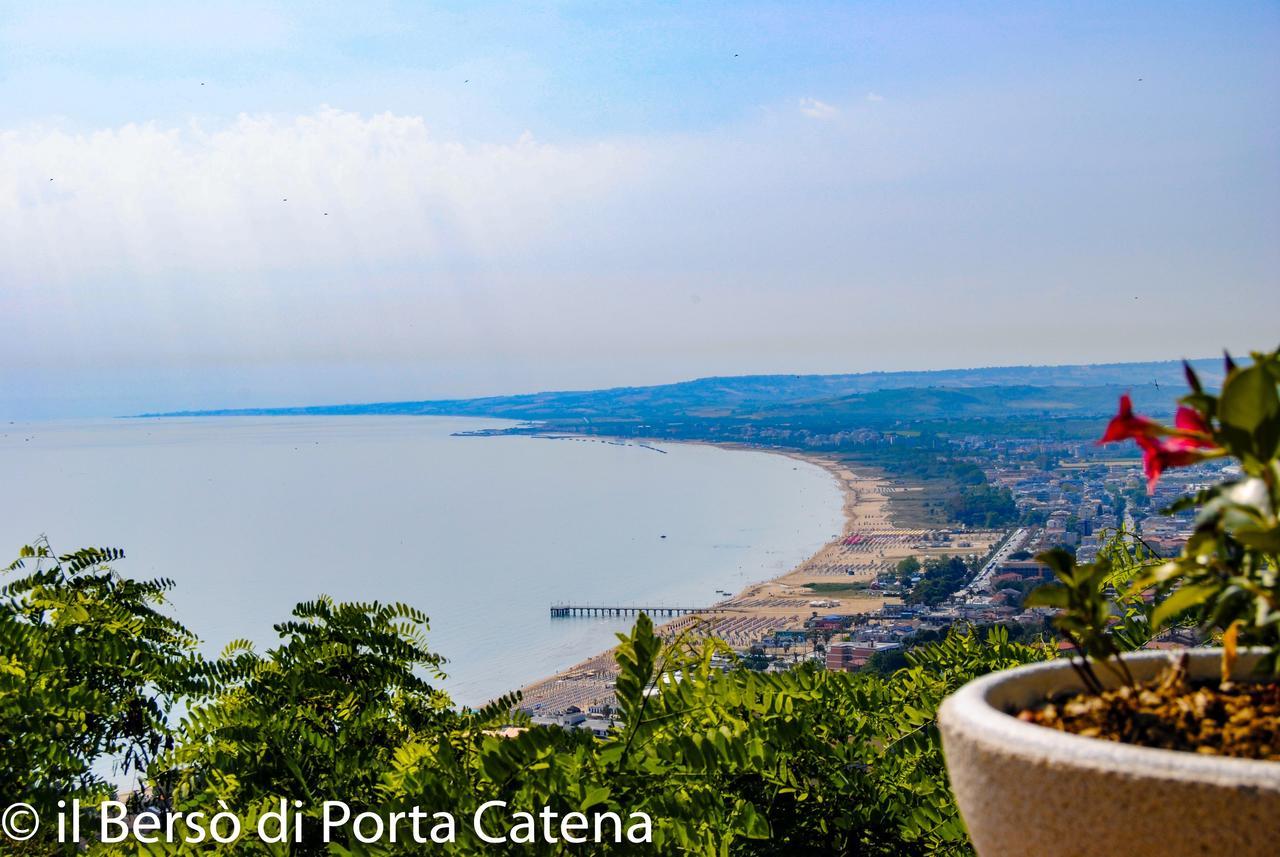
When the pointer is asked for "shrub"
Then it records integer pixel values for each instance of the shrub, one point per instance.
(739, 762)
(1226, 579)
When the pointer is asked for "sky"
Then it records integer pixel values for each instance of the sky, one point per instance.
(240, 204)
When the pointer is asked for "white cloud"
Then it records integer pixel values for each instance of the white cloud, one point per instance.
(172, 245)
(874, 96)
(276, 193)
(815, 109)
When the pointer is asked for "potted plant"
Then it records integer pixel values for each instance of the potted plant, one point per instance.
(1137, 752)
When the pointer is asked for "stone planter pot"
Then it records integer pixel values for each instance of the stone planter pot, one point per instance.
(1027, 789)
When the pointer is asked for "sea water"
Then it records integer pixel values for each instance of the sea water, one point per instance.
(251, 515)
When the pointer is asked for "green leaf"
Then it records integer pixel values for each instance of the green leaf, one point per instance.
(1047, 595)
(594, 795)
(73, 614)
(1187, 596)
(754, 825)
(1249, 410)
(1153, 574)
(1062, 563)
(1265, 540)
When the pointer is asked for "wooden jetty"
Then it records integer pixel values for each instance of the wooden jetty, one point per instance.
(561, 610)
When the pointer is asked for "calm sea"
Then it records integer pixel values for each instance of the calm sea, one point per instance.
(252, 515)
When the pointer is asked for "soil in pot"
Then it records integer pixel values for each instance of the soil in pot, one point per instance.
(1173, 713)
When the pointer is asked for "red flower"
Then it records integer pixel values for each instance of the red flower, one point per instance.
(1126, 425)
(1189, 419)
(1159, 454)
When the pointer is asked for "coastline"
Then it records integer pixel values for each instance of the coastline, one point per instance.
(781, 602)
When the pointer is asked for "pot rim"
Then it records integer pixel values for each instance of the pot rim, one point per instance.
(970, 710)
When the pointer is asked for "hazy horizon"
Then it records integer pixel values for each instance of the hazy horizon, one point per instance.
(258, 206)
(1207, 367)
(1173, 363)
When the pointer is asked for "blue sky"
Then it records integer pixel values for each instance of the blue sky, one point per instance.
(584, 69)
(234, 204)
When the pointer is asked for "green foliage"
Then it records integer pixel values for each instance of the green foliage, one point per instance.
(853, 588)
(983, 506)
(1248, 411)
(1226, 577)
(1097, 623)
(320, 717)
(736, 762)
(942, 576)
(89, 670)
(802, 762)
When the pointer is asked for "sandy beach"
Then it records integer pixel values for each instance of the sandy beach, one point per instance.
(832, 580)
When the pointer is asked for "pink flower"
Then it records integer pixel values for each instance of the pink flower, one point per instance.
(1189, 419)
(1159, 454)
(1126, 425)
(1191, 434)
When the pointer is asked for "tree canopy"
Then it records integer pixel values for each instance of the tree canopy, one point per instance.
(343, 708)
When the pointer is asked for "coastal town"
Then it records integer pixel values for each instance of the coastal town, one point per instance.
(879, 587)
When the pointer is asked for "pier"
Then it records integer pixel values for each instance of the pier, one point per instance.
(562, 610)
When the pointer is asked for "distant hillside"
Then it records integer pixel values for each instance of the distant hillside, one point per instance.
(871, 396)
